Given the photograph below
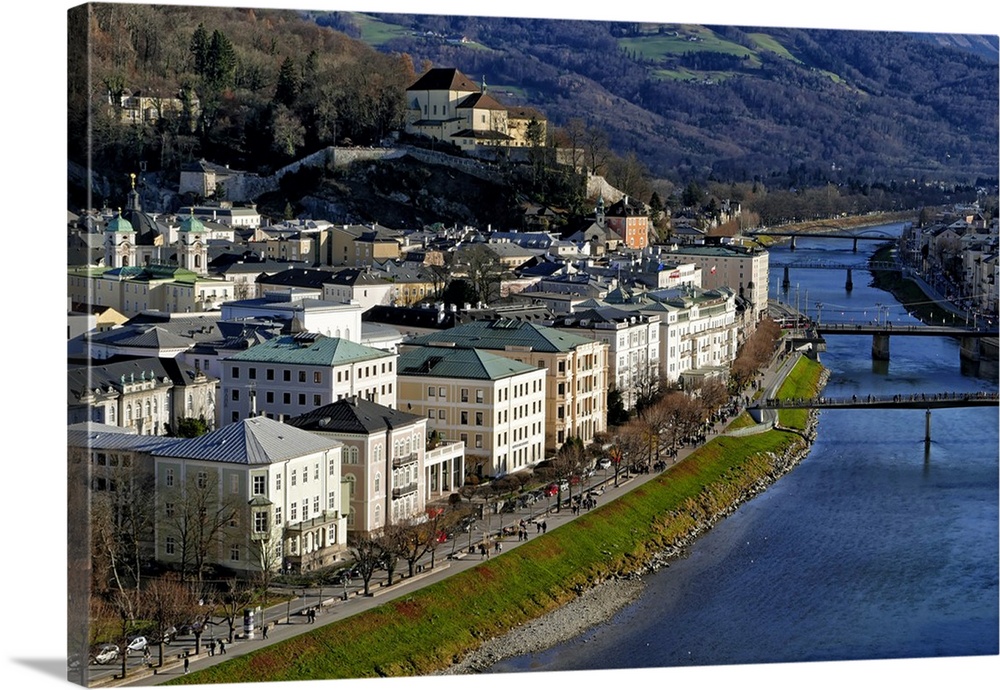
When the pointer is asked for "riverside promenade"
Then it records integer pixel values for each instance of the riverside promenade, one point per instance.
(287, 619)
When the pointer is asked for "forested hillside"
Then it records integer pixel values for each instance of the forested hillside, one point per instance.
(797, 106)
(787, 121)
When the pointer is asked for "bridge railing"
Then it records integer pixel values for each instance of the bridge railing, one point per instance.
(824, 401)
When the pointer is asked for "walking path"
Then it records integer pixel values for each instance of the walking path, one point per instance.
(287, 620)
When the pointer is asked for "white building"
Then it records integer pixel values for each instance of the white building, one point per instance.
(384, 463)
(290, 375)
(282, 484)
(633, 340)
(333, 319)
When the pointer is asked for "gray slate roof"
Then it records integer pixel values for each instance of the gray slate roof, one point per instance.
(353, 416)
(459, 364)
(253, 441)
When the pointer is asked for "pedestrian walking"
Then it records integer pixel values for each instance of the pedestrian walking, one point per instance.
(538, 528)
(211, 647)
(264, 630)
(222, 646)
(187, 663)
(544, 526)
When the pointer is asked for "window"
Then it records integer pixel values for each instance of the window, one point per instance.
(234, 552)
(331, 500)
(269, 396)
(171, 546)
(479, 395)
(253, 372)
(202, 480)
(302, 398)
(277, 515)
(260, 521)
(479, 419)
(236, 372)
(465, 395)
(440, 414)
(286, 398)
(286, 375)
(441, 392)
(236, 394)
(302, 377)
(378, 481)
(317, 400)
(479, 440)
(317, 377)
(168, 479)
(294, 512)
(305, 509)
(293, 477)
(430, 413)
(316, 472)
(465, 416)
(259, 485)
(316, 504)
(234, 483)
(430, 391)
(270, 374)
(333, 469)
(168, 509)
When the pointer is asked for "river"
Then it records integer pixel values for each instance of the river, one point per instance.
(875, 547)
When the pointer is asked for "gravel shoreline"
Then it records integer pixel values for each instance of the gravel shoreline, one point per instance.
(592, 607)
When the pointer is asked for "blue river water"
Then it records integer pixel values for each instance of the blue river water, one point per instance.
(874, 547)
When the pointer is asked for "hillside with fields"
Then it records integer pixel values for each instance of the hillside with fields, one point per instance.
(790, 106)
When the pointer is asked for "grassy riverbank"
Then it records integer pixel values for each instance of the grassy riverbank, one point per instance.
(910, 295)
(439, 624)
(840, 223)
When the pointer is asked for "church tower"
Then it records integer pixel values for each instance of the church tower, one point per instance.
(192, 245)
(119, 243)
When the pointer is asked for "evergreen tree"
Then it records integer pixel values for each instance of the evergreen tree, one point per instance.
(289, 83)
(221, 66)
(199, 49)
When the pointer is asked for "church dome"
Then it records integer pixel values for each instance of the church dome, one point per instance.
(119, 225)
(192, 224)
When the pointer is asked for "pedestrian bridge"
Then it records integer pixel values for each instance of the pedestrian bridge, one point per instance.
(911, 401)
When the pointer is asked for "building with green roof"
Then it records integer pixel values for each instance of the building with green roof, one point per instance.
(495, 405)
(576, 383)
(290, 375)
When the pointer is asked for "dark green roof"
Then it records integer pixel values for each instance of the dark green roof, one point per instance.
(309, 349)
(459, 364)
(500, 334)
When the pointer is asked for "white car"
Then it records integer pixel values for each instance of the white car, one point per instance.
(106, 654)
(137, 644)
(604, 463)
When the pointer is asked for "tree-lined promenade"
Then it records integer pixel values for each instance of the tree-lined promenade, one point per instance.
(429, 630)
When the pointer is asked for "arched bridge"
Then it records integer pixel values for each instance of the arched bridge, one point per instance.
(825, 232)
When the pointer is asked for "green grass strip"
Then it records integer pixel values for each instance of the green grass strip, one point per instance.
(437, 625)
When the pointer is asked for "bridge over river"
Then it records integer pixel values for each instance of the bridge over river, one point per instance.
(914, 401)
(881, 332)
(861, 234)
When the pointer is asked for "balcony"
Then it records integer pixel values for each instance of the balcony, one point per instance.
(404, 460)
(401, 491)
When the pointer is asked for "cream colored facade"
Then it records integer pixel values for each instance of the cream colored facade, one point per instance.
(697, 330)
(131, 290)
(501, 422)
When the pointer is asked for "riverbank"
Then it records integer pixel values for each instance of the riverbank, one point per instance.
(599, 603)
(834, 224)
(443, 623)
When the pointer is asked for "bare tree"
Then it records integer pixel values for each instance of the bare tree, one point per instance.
(168, 603)
(196, 515)
(238, 596)
(367, 555)
(121, 521)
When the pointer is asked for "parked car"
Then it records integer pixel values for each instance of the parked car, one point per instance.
(106, 654)
(604, 463)
(169, 634)
(551, 489)
(137, 644)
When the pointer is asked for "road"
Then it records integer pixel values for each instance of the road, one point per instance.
(285, 620)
